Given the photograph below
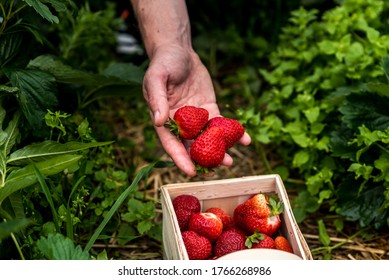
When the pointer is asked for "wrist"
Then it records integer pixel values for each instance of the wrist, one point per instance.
(163, 23)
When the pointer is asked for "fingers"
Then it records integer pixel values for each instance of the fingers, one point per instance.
(154, 91)
(227, 160)
(176, 150)
(245, 139)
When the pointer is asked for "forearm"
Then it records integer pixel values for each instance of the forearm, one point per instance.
(162, 22)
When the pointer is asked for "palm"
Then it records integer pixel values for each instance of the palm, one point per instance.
(175, 78)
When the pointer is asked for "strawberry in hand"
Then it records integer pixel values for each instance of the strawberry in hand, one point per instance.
(208, 149)
(233, 130)
(188, 122)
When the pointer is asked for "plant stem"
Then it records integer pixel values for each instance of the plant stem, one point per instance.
(4, 213)
(262, 154)
(382, 148)
(295, 181)
(9, 15)
(337, 245)
(17, 246)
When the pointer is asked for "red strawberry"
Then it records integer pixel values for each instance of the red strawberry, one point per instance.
(208, 149)
(281, 243)
(188, 202)
(229, 241)
(260, 240)
(226, 219)
(233, 130)
(260, 212)
(183, 218)
(198, 247)
(188, 122)
(184, 207)
(206, 224)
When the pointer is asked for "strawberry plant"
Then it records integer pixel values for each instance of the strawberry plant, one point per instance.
(56, 178)
(322, 110)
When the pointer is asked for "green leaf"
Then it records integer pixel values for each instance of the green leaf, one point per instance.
(300, 158)
(126, 234)
(382, 164)
(58, 247)
(13, 226)
(11, 133)
(125, 71)
(143, 172)
(43, 10)
(9, 47)
(354, 53)
(48, 149)
(365, 207)
(37, 93)
(328, 47)
(144, 226)
(312, 114)
(380, 88)
(115, 82)
(366, 109)
(64, 73)
(16, 201)
(317, 181)
(102, 256)
(24, 177)
(361, 170)
(324, 195)
(324, 238)
(58, 5)
(47, 193)
(114, 75)
(385, 66)
(307, 202)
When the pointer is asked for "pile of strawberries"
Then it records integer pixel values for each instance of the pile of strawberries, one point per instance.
(212, 138)
(213, 233)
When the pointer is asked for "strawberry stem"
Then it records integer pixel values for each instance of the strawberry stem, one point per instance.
(254, 238)
(172, 125)
(201, 170)
(276, 206)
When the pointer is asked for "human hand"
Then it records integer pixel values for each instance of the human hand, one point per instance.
(175, 78)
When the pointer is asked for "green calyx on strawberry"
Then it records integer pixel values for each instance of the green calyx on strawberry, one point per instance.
(275, 205)
(208, 150)
(188, 122)
(260, 212)
(259, 240)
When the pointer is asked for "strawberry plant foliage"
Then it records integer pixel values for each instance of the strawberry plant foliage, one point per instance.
(56, 60)
(325, 108)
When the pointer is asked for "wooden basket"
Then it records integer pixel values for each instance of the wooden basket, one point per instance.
(226, 194)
